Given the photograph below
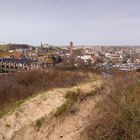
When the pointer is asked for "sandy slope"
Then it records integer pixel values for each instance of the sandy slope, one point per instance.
(74, 124)
(21, 124)
(28, 112)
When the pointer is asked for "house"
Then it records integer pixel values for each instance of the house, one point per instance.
(13, 63)
(137, 61)
(87, 59)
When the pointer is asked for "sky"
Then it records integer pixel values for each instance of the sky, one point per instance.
(85, 22)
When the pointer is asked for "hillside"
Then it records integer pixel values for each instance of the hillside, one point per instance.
(92, 108)
(119, 113)
(13, 47)
(4, 47)
(32, 117)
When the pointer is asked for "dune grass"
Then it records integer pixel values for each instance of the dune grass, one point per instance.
(15, 88)
(119, 112)
(71, 97)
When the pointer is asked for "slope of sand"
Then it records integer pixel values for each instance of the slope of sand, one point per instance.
(22, 124)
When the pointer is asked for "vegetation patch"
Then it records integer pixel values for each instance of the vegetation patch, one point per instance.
(10, 107)
(95, 91)
(119, 112)
(39, 123)
(4, 47)
(8, 126)
(71, 97)
(15, 88)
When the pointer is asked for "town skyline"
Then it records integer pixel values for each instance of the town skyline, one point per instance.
(101, 22)
(67, 44)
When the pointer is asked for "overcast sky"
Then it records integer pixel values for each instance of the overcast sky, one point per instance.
(103, 22)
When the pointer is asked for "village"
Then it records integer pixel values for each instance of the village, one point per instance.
(45, 56)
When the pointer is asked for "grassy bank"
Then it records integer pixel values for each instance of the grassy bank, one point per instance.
(17, 87)
(119, 114)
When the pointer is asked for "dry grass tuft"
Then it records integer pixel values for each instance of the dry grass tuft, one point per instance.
(16, 87)
(119, 113)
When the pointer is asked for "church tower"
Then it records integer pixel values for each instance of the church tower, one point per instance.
(71, 48)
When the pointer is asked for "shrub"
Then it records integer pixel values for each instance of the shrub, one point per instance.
(15, 87)
(8, 125)
(71, 97)
(39, 123)
(120, 112)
